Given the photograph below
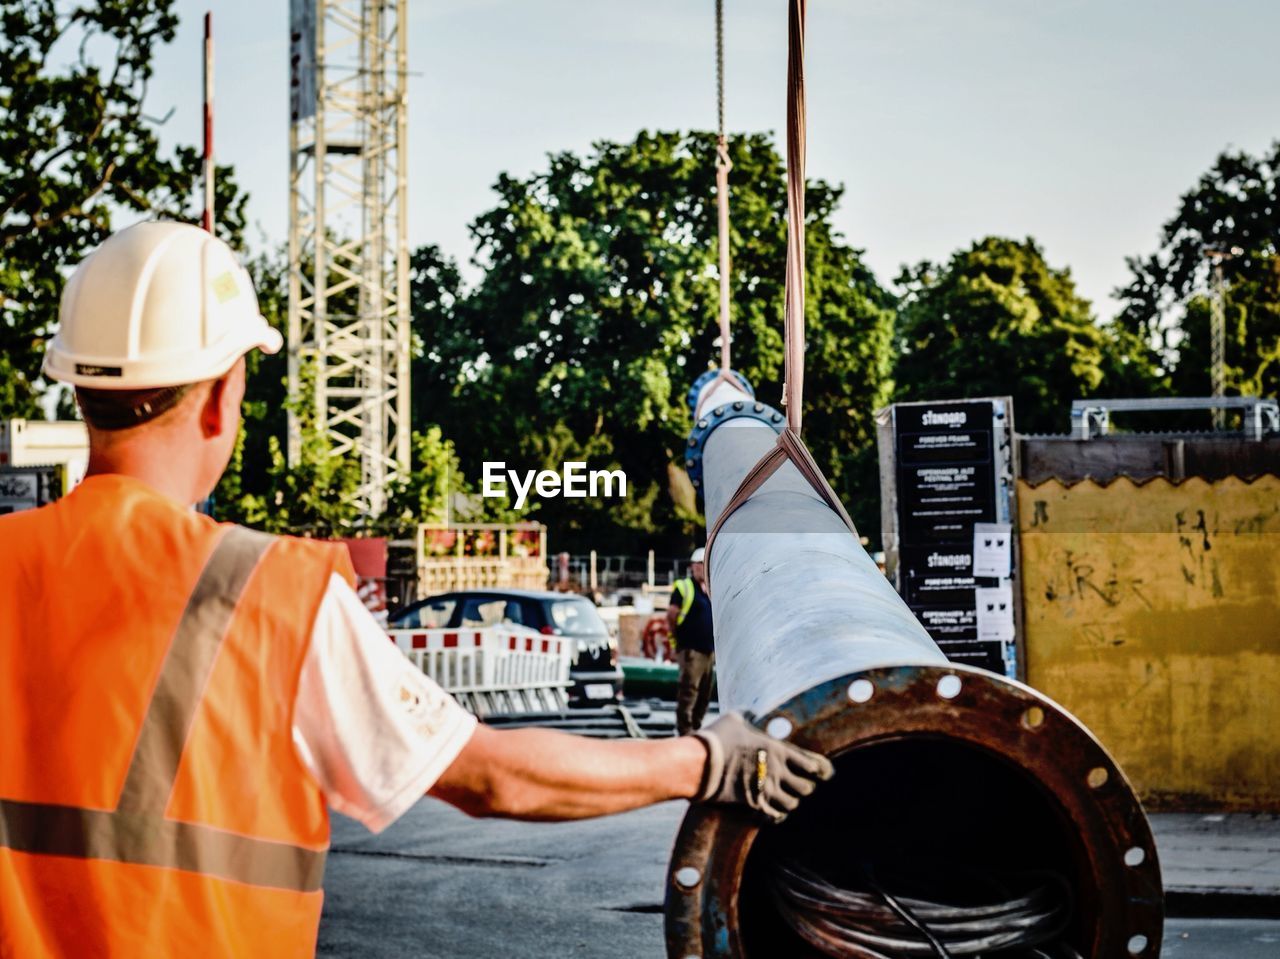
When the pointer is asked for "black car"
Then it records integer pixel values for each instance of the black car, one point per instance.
(596, 677)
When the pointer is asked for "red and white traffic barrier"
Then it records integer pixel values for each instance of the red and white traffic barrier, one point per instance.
(494, 669)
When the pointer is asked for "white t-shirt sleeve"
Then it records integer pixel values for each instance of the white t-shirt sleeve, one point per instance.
(373, 730)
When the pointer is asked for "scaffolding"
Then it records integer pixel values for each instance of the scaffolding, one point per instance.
(349, 330)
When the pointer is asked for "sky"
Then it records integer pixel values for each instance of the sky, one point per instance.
(1077, 122)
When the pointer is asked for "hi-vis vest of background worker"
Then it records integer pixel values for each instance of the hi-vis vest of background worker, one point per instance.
(149, 762)
(686, 589)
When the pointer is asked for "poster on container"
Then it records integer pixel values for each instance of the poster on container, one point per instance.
(947, 486)
(993, 549)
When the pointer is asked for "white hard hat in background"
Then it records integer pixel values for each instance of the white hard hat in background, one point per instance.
(698, 555)
(159, 304)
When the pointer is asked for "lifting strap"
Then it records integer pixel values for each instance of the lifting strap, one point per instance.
(790, 446)
(793, 331)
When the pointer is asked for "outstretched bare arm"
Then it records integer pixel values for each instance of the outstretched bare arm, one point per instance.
(541, 774)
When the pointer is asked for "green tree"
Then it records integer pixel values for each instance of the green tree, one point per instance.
(997, 320)
(596, 311)
(439, 333)
(1235, 206)
(77, 152)
(266, 400)
(433, 478)
(312, 496)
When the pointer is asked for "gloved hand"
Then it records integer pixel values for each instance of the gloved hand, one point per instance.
(746, 765)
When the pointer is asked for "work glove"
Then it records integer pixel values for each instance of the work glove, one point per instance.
(746, 765)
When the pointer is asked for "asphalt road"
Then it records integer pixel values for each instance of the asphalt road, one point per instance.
(1221, 939)
(437, 884)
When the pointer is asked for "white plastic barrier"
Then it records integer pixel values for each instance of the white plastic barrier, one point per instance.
(495, 669)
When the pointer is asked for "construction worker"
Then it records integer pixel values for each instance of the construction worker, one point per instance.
(182, 701)
(689, 619)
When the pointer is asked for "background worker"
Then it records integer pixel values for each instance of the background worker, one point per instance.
(181, 701)
(689, 619)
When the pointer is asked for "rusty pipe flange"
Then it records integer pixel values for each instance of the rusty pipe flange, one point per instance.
(971, 707)
(696, 445)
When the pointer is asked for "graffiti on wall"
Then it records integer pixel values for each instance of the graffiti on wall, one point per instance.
(1152, 611)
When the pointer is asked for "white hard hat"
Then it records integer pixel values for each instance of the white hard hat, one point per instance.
(159, 304)
(698, 555)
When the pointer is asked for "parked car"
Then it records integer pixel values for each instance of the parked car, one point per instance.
(596, 677)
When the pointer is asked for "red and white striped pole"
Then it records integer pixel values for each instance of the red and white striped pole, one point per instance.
(207, 219)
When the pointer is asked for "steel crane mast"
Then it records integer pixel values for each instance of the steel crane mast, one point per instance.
(349, 325)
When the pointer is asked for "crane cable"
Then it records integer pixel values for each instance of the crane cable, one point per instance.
(723, 166)
(790, 446)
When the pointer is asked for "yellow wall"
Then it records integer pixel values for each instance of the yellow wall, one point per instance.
(1152, 613)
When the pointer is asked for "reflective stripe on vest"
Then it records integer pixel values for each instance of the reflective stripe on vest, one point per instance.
(685, 588)
(136, 831)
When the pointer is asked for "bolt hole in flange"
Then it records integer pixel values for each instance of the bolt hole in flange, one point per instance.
(779, 727)
(1135, 856)
(1137, 945)
(687, 877)
(861, 690)
(1033, 718)
(1097, 777)
(949, 687)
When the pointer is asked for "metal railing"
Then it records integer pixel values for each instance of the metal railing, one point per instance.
(1092, 418)
(613, 572)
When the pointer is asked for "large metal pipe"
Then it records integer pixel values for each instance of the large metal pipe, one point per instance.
(839, 611)
(957, 766)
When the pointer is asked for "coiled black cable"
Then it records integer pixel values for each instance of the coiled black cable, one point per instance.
(873, 923)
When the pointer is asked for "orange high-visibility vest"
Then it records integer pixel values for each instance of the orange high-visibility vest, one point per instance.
(151, 799)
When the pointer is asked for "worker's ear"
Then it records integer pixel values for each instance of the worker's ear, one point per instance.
(220, 411)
